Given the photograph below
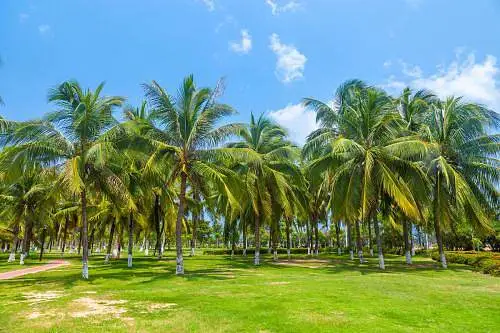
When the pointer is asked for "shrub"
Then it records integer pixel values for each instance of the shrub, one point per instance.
(486, 262)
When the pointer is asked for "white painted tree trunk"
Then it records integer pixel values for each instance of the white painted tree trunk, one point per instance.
(245, 252)
(85, 270)
(146, 249)
(360, 256)
(443, 260)
(371, 252)
(339, 251)
(256, 260)
(129, 263)
(381, 263)
(179, 269)
(12, 257)
(351, 254)
(192, 252)
(408, 257)
(275, 255)
(106, 258)
(288, 253)
(413, 251)
(308, 250)
(21, 261)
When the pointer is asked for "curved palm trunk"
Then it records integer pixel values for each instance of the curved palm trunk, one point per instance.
(130, 238)
(12, 255)
(26, 242)
(406, 242)
(65, 235)
(437, 222)
(179, 270)
(381, 263)
(157, 226)
(110, 242)
(359, 243)
(257, 240)
(42, 243)
(85, 244)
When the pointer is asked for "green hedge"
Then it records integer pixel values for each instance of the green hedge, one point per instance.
(486, 262)
(252, 250)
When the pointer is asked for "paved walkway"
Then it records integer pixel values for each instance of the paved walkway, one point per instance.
(20, 272)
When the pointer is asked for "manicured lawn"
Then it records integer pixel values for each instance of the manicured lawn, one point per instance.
(218, 294)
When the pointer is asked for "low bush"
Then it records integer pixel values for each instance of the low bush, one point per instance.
(263, 250)
(486, 262)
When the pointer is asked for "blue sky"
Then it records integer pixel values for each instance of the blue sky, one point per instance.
(271, 52)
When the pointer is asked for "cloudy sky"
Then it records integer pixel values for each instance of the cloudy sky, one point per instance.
(272, 53)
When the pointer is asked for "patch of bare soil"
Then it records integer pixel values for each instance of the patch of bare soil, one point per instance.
(306, 263)
(36, 298)
(88, 306)
(278, 283)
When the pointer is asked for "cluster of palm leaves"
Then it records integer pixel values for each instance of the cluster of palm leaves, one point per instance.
(174, 161)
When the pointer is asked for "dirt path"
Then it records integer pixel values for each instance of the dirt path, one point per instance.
(42, 268)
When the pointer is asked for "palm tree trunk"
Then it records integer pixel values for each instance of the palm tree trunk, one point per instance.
(337, 234)
(257, 240)
(156, 216)
(412, 246)
(308, 238)
(381, 263)
(178, 226)
(406, 242)
(12, 255)
(44, 230)
(195, 225)
(130, 238)
(437, 222)
(65, 234)
(316, 237)
(349, 241)
(245, 241)
(110, 241)
(370, 240)
(359, 243)
(85, 244)
(27, 231)
(288, 239)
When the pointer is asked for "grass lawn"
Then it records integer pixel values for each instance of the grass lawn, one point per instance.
(218, 294)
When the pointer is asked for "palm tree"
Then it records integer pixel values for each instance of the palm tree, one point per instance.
(463, 166)
(268, 174)
(186, 137)
(75, 136)
(363, 155)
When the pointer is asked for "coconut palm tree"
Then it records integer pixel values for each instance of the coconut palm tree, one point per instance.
(463, 165)
(73, 137)
(186, 136)
(269, 174)
(363, 154)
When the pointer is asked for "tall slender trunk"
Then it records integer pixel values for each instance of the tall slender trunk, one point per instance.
(381, 263)
(412, 246)
(308, 238)
(12, 255)
(156, 216)
(178, 226)
(316, 237)
(85, 244)
(437, 222)
(26, 242)
(370, 240)
(130, 238)
(245, 240)
(80, 242)
(359, 243)
(44, 230)
(406, 242)
(349, 241)
(91, 241)
(65, 234)
(120, 242)
(110, 241)
(257, 240)
(337, 234)
(288, 238)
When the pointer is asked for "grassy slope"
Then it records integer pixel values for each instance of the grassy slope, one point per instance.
(222, 295)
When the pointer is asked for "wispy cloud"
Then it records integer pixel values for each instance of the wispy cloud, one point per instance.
(210, 4)
(475, 81)
(244, 46)
(276, 9)
(290, 62)
(44, 29)
(299, 121)
(414, 3)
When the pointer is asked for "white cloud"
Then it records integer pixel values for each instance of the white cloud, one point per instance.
(475, 81)
(44, 29)
(290, 62)
(276, 9)
(210, 4)
(244, 46)
(297, 119)
(387, 64)
(23, 17)
(414, 3)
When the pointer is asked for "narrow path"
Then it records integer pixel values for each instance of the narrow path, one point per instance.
(20, 272)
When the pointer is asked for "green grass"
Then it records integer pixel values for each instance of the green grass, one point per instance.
(218, 294)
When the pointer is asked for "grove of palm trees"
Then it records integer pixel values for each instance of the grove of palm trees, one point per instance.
(95, 178)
